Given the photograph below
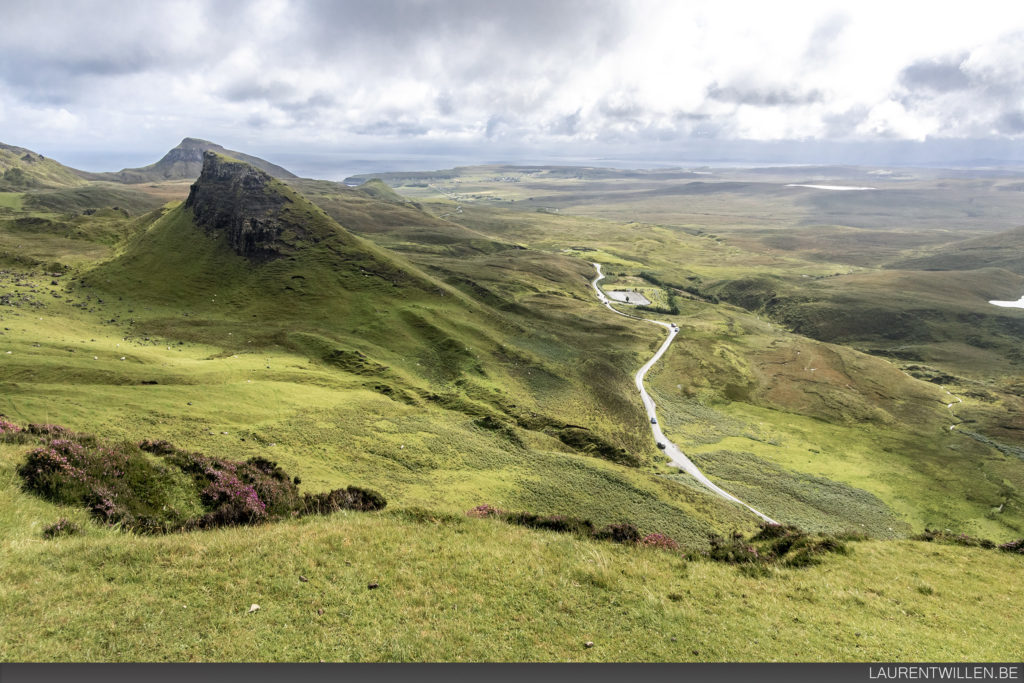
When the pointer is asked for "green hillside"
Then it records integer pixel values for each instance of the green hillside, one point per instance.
(185, 162)
(361, 365)
(22, 169)
(91, 198)
(448, 352)
(1001, 250)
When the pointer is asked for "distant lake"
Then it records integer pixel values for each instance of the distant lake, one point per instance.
(1019, 303)
(831, 187)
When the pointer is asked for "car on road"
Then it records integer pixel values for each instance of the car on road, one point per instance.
(661, 445)
(653, 421)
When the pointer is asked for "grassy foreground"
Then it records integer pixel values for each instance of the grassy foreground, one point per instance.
(454, 588)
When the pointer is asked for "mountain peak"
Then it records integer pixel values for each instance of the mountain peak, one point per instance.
(198, 142)
(241, 201)
(185, 162)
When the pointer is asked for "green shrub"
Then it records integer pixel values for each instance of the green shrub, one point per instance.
(560, 523)
(62, 527)
(947, 537)
(351, 498)
(1013, 547)
(423, 516)
(620, 533)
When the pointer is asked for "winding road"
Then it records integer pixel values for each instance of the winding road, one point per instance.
(676, 456)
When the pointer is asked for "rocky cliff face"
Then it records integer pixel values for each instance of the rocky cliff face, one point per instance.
(242, 202)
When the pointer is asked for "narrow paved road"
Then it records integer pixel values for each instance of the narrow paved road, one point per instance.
(675, 454)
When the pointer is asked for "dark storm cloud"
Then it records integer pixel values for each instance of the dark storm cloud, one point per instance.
(763, 96)
(936, 75)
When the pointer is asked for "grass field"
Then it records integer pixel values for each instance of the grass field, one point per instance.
(457, 357)
(458, 589)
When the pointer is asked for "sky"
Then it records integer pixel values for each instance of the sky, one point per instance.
(325, 85)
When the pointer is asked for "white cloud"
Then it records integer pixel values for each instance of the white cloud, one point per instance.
(539, 72)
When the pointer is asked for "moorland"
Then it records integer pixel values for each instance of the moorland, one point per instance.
(392, 413)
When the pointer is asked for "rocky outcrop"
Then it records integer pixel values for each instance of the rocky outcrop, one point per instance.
(242, 202)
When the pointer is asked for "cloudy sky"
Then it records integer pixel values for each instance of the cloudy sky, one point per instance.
(318, 83)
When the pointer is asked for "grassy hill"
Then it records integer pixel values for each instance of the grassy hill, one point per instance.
(451, 354)
(354, 363)
(185, 162)
(22, 169)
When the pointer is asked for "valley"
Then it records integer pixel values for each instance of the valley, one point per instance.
(441, 339)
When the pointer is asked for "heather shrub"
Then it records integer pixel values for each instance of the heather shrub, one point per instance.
(278, 492)
(158, 446)
(48, 430)
(11, 432)
(620, 533)
(949, 538)
(773, 545)
(1013, 547)
(351, 498)
(661, 541)
(171, 489)
(116, 487)
(732, 550)
(810, 553)
(238, 492)
(779, 538)
(768, 531)
(62, 527)
(560, 523)
(484, 510)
